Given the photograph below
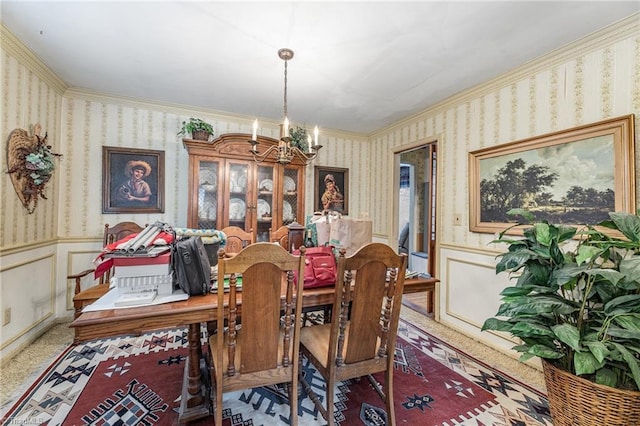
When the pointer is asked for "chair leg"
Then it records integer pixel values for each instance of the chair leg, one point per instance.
(218, 408)
(386, 394)
(330, 386)
(375, 385)
(312, 395)
(293, 402)
(388, 390)
(77, 309)
(215, 394)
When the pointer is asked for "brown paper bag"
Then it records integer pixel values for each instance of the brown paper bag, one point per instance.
(323, 231)
(340, 235)
(350, 234)
(361, 234)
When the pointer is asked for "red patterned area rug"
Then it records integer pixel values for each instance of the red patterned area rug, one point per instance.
(137, 380)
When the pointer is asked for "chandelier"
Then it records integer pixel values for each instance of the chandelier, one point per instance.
(285, 152)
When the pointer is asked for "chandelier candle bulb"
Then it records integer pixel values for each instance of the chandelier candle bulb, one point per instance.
(315, 135)
(286, 127)
(254, 135)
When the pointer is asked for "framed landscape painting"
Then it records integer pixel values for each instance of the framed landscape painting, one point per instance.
(571, 177)
(132, 180)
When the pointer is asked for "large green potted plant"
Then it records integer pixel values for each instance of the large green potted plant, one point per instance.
(197, 128)
(576, 305)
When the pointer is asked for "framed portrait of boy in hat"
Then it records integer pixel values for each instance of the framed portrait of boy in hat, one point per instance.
(331, 187)
(132, 180)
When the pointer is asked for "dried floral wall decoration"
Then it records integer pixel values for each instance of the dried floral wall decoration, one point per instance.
(30, 165)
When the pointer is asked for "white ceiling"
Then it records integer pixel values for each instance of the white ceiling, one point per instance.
(358, 66)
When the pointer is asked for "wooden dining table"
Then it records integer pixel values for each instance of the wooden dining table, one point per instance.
(191, 313)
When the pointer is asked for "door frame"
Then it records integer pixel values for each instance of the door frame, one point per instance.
(395, 173)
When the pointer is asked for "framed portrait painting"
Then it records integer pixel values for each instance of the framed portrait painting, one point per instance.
(132, 180)
(331, 189)
(572, 177)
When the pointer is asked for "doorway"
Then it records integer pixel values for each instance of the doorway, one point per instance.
(414, 225)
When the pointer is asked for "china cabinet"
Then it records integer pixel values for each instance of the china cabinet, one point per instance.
(228, 188)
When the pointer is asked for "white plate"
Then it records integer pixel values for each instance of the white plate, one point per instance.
(265, 185)
(242, 183)
(210, 209)
(237, 209)
(287, 211)
(210, 186)
(263, 208)
(289, 184)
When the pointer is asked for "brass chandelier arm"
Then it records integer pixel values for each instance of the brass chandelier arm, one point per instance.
(257, 157)
(284, 154)
(306, 157)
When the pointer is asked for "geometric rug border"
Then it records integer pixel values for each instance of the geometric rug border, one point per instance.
(29, 391)
(475, 359)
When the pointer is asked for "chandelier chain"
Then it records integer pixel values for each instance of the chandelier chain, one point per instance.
(285, 88)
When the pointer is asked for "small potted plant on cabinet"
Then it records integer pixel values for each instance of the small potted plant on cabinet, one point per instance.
(198, 129)
(576, 305)
(299, 138)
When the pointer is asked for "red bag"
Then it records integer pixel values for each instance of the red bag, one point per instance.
(320, 268)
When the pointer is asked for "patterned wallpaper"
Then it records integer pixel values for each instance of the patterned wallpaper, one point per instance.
(589, 82)
(30, 95)
(90, 122)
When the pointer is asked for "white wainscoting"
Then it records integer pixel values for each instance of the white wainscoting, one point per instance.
(28, 289)
(470, 293)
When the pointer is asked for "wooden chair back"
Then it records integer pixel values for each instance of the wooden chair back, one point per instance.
(116, 233)
(360, 340)
(264, 350)
(280, 236)
(237, 238)
(89, 295)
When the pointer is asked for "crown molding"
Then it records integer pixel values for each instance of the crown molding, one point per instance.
(14, 46)
(618, 31)
(180, 109)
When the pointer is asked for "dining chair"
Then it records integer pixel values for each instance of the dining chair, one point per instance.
(237, 238)
(84, 297)
(280, 236)
(290, 236)
(264, 349)
(360, 339)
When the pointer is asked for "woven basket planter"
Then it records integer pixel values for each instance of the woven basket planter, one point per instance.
(201, 135)
(575, 401)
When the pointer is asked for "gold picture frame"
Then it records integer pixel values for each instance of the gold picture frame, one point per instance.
(122, 191)
(339, 178)
(571, 177)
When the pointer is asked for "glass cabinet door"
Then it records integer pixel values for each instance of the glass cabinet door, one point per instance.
(207, 209)
(265, 202)
(229, 188)
(239, 206)
(290, 198)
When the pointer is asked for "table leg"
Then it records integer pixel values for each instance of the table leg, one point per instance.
(430, 300)
(194, 403)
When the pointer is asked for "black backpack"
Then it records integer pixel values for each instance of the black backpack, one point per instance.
(191, 267)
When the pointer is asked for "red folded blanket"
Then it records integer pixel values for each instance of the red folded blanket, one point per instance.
(163, 237)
